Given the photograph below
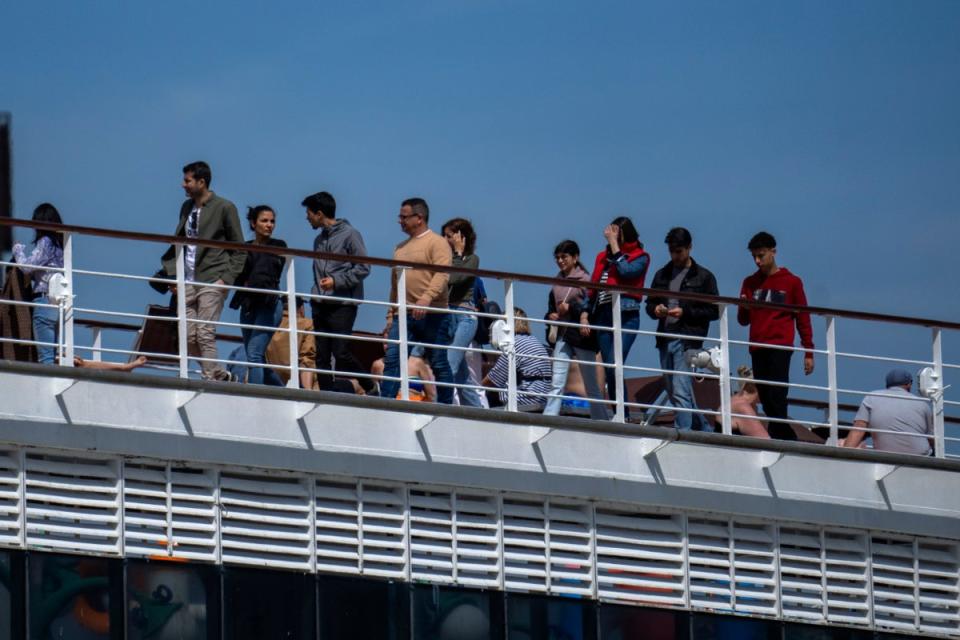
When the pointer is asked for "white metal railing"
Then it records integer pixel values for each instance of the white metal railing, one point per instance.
(731, 349)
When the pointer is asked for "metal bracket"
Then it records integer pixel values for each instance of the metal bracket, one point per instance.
(539, 433)
(883, 471)
(303, 409)
(61, 386)
(183, 398)
(651, 446)
(769, 459)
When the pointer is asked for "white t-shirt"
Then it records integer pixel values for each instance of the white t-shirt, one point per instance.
(192, 231)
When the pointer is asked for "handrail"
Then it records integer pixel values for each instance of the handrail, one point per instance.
(484, 273)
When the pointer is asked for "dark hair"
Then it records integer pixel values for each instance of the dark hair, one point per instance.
(200, 170)
(628, 232)
(46, 212)
(678, 237)
(762, 240)
(254, 212)
(322, 203)
(464, 227)
(418, 206)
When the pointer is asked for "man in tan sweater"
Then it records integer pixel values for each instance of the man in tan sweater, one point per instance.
(425, 288)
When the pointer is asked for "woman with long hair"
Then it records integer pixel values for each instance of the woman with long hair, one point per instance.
(261, 271)
(47, 252)
(462, 240)
(564, 304)
(622, 262)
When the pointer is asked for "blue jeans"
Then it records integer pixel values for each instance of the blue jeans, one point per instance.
(563, 353)
(629, 319)
(434, 328)
(46, 327)
(463, 328)
(680, 388)
(255, 341)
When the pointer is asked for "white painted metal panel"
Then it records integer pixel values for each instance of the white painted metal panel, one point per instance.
(10, 500)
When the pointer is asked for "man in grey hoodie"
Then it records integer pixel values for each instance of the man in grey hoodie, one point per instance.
(339, 278)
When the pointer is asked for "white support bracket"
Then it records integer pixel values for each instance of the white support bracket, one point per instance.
(883, 471)
(303, 409)
(183, 398)
(539, 433)
(652, 446)
(770, 459)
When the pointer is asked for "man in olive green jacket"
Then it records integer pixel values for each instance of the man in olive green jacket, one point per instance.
(207, 216)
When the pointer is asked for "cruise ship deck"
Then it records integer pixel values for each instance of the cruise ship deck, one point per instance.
(154, 504)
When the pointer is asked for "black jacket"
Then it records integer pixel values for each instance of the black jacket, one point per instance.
(697, 316)
(260, 271)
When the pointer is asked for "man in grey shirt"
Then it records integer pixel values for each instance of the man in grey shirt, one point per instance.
(894, 411)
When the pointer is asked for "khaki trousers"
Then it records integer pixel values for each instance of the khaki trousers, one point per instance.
(205, 303)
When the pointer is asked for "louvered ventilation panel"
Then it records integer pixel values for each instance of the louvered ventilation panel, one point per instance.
(524, 544)
(73, 504)
(478, 540)
(846, 576)
(9, 498)
(640, 556)
(432, 532)
(570, 548)
(145, 509)
(938, 570)
(801, 574)
(709, 560)
(754, 569)
(894, 599)
(265, 521)
(338, 526)
(193, 513)
(383, 530)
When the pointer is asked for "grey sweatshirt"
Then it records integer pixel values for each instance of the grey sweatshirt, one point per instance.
(347, 276)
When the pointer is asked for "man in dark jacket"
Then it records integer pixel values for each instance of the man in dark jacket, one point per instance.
(682, 317)
(207, 216)
(338, 278)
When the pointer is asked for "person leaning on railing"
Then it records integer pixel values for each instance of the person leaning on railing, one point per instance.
(340, 278)
(260, 271)
(772, 283)
(47, 252)
(462, 239)
(206, 216)
(564, 303)
(894, 409)
(683, 317)
(425, 288)
(622, 262)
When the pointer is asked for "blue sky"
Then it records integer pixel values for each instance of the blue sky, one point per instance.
(831, 124)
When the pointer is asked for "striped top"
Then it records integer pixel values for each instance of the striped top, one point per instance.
(533, 374)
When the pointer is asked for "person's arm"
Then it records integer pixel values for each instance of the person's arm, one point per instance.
(856, 435)
(43, 255)
(233, 232)
(743, 313)
(467, 262)
(357, 271)
(629, 269)
(654, 301)
(497, 376)
(307, 357)
(804, 328)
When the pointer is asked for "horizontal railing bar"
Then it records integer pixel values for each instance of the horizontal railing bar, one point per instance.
(483, 273)
(777, 347)
(859, 356)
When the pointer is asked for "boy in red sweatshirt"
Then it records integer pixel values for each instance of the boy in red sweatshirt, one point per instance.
(772, 283)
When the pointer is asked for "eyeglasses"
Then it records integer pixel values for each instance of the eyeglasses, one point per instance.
(404, 216)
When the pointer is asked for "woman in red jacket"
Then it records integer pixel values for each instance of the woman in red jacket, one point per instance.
(623, 262)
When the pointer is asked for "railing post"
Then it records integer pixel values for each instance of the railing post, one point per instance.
(939, 449)
(401, 315)
(66, 304)
(620, 412)
(97, 354)
(726, 422)
(294, 342)
(182, 347)
(833, 411)
(512, 351)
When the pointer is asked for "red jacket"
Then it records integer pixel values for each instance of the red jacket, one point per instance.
(627, 268)
(773, 326)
